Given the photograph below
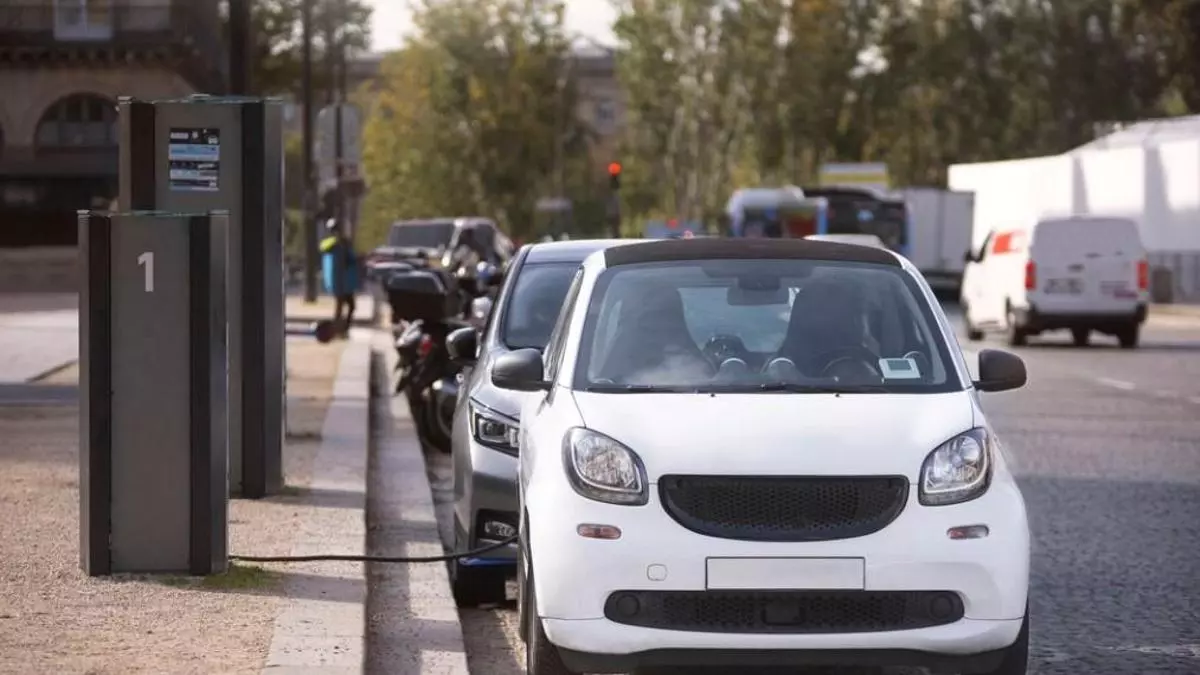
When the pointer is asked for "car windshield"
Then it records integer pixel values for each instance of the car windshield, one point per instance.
(421, 235)
(762, 325)
(534, 304)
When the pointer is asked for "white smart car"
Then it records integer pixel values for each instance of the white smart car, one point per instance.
(763, 452)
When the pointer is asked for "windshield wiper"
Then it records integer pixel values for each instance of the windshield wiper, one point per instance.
(823, 388)
(636, 389)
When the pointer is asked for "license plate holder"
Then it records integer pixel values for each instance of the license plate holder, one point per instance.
(786, 574)
(1064, 286)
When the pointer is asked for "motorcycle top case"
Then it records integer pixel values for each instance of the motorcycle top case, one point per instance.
(420, 294)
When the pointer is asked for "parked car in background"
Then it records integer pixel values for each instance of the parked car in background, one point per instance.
(1082, 274)
(427, 241)
(484, 443)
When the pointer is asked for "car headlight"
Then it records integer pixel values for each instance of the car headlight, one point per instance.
(600, 468)
(494, 430)
(958, 470)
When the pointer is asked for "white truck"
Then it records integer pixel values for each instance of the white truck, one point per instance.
(940, 234)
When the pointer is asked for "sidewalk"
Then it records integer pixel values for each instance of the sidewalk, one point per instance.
(282, 617)
(297, 310)
(38, 334)
(1189, 310)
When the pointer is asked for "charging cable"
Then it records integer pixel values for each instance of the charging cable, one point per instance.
(373, 558)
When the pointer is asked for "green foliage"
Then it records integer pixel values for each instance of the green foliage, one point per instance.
(727, 93)
(278, 40)
(473, 117)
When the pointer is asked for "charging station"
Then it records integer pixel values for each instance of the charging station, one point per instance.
(153, 447)
(205, 153)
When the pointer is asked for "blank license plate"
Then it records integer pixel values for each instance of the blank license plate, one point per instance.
(1071, 286)
(786, 574)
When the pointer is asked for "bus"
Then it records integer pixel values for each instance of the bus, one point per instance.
(795, 212)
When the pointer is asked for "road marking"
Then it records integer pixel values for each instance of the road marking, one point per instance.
(1116, 384)
(1179, 651)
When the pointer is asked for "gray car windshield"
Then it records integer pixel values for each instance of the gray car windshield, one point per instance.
(762, 325)
(534, 304)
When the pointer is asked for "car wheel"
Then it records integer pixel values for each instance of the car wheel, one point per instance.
(1128, 337)
(541, 656)
(1016, 657)
(436, 433)
(522, 597)
(474, 586)
(973, 333)
(1017, 336)
(1080, 336)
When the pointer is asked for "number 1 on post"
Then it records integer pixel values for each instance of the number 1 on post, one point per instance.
(146, 260)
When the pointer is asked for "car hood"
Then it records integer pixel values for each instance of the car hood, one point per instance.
(779, 434)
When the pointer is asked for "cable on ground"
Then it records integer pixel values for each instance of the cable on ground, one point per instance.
(373, 558)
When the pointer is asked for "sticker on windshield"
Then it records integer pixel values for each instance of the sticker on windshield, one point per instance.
(899, 369)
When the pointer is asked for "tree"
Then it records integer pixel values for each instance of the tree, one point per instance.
(474, 115)
(278, 40)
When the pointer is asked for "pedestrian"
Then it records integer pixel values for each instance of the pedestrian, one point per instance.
(340, 267)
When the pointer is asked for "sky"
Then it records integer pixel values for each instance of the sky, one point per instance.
(391, 20)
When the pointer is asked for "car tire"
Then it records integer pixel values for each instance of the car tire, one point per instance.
(1017, 337)
(541, 656)
(475, 586)
(522, 597)
(1128, 337)
(1080, 336)
(1016, 657)
(436, 435)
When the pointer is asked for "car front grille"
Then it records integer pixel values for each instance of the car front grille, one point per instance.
(794, 612)
(784, 508)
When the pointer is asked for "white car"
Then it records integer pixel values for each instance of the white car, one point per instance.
(750, 452)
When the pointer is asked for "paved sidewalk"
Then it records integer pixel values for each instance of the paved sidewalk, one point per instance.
(38, 334)
(285, 617)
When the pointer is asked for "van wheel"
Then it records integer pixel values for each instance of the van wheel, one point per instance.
(1016, 657)
(1080, 336)
(973, 333)
(541, 656)
(1128, 336)
(1017, 336)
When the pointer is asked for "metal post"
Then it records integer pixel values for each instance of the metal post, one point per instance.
(310, 223)
(338, 140)
(239, 46)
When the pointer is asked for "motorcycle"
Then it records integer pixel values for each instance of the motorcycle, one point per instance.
(427, 306)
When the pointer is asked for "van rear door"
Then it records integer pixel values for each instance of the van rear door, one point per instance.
(1086, 266)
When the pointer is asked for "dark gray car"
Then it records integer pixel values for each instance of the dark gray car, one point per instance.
(483, 442)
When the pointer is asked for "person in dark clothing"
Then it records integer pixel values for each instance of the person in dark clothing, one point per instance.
(341, 273)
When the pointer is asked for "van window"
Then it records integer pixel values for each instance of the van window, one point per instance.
(1105, 236)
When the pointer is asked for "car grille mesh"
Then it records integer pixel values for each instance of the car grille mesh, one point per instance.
(784, 611)
(771, 508)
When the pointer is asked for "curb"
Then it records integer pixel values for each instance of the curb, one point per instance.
(322, 623)
(428, 639)
(50, 372)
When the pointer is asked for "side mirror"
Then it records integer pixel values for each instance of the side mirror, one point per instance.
(1000, 371)
(520, 370)
(463, 345)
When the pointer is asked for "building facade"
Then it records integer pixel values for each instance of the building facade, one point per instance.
(63, 65)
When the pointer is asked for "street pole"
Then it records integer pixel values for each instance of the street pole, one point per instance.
(310, 198)
(239, 45)
(343, 209)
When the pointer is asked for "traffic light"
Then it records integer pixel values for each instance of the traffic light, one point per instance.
(614, 176)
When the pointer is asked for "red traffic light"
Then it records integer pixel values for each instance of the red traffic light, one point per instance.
(614, 169)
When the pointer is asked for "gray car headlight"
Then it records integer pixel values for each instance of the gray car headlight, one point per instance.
(958, 470)
(603, 469)
(493, 429)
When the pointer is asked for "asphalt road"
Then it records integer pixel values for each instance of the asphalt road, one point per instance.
(1107, 447)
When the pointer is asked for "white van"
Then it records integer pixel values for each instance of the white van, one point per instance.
(1083, 274)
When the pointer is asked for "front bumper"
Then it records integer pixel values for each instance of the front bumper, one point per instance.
(490, 498)
(601, 646)
(575, 576)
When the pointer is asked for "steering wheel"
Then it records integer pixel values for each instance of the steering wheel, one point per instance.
(850, 354)
(722, 347)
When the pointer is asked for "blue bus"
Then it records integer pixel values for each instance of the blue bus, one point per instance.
(794, 213)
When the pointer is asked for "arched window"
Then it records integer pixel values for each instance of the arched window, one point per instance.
(78, 121)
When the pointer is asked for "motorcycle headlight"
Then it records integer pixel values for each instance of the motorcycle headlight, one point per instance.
(494, 430)
(602, 469)
(958, 470)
